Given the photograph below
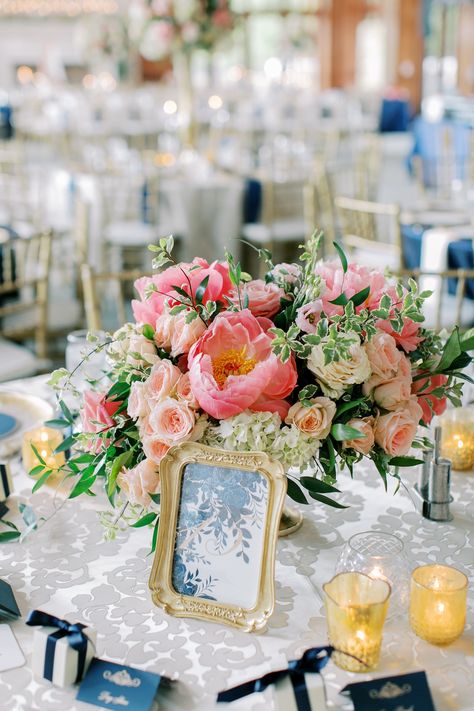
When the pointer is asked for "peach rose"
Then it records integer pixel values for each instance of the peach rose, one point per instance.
(392, 394)
(314, 420)
(184, 391)
(184, 335)
(162, 380)
(365, 425)
(395, 431)
(154, 448)
(172, 421)
(137, 405)
(163, 330)
(383, 355)
(263, 299)
(139, 482)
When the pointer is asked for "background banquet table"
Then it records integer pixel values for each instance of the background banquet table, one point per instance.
(68, 569)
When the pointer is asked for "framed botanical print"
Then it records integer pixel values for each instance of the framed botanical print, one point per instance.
(215, 552)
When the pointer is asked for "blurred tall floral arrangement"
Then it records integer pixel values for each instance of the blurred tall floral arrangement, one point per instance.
(107, 44)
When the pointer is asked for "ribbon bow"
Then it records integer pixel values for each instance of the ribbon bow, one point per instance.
(76, 639)
(312, 661)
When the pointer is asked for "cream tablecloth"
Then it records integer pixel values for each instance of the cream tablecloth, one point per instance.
(68, 569)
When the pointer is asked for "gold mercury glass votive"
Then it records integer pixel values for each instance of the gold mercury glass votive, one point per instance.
(457, 437)
(438, 603)
(45, 439)
(356, 607)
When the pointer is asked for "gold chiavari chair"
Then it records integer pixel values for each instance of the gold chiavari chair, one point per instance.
(451, 302)
(371, 231)
(106, 296)
(24, 272)
(439, 177)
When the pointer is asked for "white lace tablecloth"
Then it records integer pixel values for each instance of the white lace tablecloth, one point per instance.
(67, 568)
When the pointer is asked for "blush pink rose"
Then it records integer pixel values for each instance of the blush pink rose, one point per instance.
(184, 335)
(285, 273)
(164, 330)
(408, 339)
(97, 416)
(314, 420)
(429, 403)
(139, 482)
(147, 310)
(154, 448)
(172, 421)
(384, 356)
(365, 425)
(307, 316)
(137, 405)
(263, 299)
(232, 366)
(162, 380)
(395, 431)
(184, 391)
(352, 282)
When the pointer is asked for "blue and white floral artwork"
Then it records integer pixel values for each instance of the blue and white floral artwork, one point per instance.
(220, 534)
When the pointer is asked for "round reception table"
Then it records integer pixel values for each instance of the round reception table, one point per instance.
(68, 569)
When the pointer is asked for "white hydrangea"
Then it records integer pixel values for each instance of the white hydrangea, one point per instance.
(263, 432)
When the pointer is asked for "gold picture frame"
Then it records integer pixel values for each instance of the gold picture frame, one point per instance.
(235, 525)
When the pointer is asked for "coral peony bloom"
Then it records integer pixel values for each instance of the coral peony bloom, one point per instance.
(265, 404)
(97, 416)
(365, 425)
(408, 339)
(139, 482)
(314, 420)
(395, 431)
(232, 366)
(172, 421)
(147, 310)
(429, 403)
(263, 299)
(352, 282)
(162, 380)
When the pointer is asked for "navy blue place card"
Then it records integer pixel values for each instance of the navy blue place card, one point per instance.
(3, 509)
(8, 607)
(408, 692)
(116, 686)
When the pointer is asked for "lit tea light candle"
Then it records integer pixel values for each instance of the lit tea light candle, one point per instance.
(44, 440)
(356, 607)
(438, 603)
(457, 439)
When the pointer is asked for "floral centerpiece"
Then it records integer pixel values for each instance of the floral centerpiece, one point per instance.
(163, 27)
(320, 364)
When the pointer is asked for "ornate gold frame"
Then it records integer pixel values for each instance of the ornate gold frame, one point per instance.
(163, 593)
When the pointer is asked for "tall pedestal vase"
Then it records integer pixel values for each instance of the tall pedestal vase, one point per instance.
(187, 120)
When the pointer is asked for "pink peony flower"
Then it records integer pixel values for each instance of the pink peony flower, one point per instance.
(395, 431)
(264, 404)
(356, 278)
(365, 425)
(97, 416)
(429, 403)
(172, 421)
(147, 310)
(232, 366)
(307, 316)
(408, 339)
(263, 299)
(162, 380)
(139, 482)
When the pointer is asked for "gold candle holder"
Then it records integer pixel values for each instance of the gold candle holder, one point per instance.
(438, 603)
(356, 607)
(457, 437)
(45, 439)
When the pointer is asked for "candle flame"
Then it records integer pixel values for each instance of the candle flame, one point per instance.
(440, 606)
(377, 573)
(360, 634)
(44, 436)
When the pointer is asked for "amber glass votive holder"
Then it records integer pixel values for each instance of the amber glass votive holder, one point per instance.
(438, 601)
(356, 607)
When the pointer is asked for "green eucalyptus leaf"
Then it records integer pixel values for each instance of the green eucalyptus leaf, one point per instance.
(342, 432)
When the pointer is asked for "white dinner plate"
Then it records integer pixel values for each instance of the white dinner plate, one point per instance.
(28, 411)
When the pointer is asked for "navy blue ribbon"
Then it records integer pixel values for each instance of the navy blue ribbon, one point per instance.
(312, 661)
(5, 482)
(76, 639)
